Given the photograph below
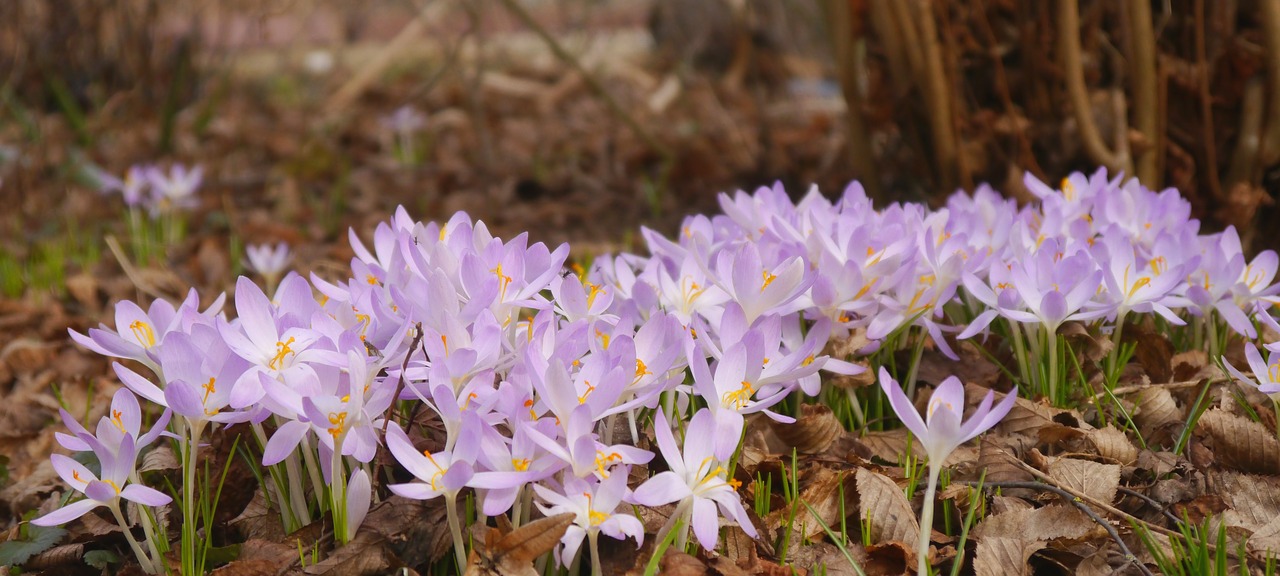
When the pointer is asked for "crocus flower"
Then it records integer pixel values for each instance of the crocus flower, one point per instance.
(118, 464)
(696, 479)
(175, 190)
(593, 504)
(941, 432)
(1266, 372)
(270, 262)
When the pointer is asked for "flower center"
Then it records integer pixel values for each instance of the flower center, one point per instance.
(282, 350)
(768, 279)
(143, 333)
(738, 399)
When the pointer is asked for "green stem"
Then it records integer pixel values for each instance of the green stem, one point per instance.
(143, 561)
(190, 563)
(1052, 341)
(915, 367)
(1113, 371)
(926, 520)
(593, 538)
(455, 529)
(338, 493)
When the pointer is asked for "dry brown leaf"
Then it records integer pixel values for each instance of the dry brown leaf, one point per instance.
(507, 552)
(1155, 408)
(1155, 353)
(813, 432)
(397, 532)
(999, 459)
(257, 521)
(1098, 481)
(1257, 498)
(1240, 443)
(1003, 556)
(883, 502)
(1046, 523)
(821, 490)
(1266, 540)
(1112, 443)
(56, 557)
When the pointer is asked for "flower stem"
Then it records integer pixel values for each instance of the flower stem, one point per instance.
(455, 529)
(926, 519)
(593, 538)
(143, 561)
(915, 367)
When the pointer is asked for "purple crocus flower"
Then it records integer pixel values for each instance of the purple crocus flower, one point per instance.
(117, 466)
(124, 419)
(941, 431)
(1266, 372)
(593, 504)
(175, 190)
(695, 479)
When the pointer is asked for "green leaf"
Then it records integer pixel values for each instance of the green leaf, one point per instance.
(39, 539)
(100, 559)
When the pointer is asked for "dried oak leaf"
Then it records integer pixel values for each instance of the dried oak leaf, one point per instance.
(1155, 353)
(882, 502)
(1240, 443)
(1156, 408)
(397, 532)
(1046, 523)
(1004, 556)
(1255, 497)
(1266, 540)
(1113, 444)
(1098, 481)
(511, 552)
(813, 432)
(822, 489)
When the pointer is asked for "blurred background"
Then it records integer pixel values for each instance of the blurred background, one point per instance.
(584, 119)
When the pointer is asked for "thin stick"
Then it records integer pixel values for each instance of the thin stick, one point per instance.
(1206, 105)
(129, 271)
(370, 71)
(568, 59)
(1142, 54)
(938, 97)
(1150, 501)
(1081, 506)
(1169, 386)
(1073, 69)
(843, 44)
(1270, 14)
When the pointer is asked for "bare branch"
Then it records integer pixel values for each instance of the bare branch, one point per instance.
(1146, 105)
(1073, 69)
(844, 46)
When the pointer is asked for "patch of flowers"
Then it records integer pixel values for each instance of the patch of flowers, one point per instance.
(547, 380)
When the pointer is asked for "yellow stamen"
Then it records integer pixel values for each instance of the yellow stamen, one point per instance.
(339, 422)
(282, 350)
(738, 399)
(583, 398)
(603, 460)
(143, 333)
(116, 419)
(768, 279)
(209, 388)
(520, 465)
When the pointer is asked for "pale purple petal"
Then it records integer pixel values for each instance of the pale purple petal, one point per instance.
(665, 488)
(145, 495)
(902, 406)
(359, 496)
(706, 522)
(67, 513)
(284, 441)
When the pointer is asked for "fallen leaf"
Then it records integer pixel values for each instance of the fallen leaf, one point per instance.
(1098, 481)
(883, 503)
(1155, 408)
(1112, 443)
(813, 431)
(397, 532)
(1046, 523)
(1154, 352)
(1240, 443)
(512, 552)
(1004, 556)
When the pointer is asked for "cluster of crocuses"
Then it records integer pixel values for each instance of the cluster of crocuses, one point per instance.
(147, 186)
(543, 378)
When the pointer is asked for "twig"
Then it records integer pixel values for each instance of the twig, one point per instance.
(1270, 14)
(1081, 506)
(1167, 386)
(129, 271)
(374, 68)
(1245, 157)
(1206, 105)
(1150, 501)
(938, 97)
(841, 30)
(1026, 156)
(568, 59)
(891, 42)
(404, 366)
(1073, 69)
(1146, 106)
